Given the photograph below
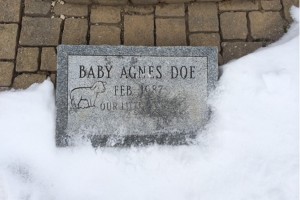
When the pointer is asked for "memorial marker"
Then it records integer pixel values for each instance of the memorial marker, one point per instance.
(120, 96)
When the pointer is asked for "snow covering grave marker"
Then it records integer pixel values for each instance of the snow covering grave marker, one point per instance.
(121, 96)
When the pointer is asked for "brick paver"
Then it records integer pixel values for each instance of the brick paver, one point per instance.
(140, 9)
(48, 59)
(271, 4)
(37, 7)
(8, 40)
(287, 4)
(74, 10)
(267, 25)
(234, 25)
(238, 5)
(139, 30)
(40, 31)
(205, 39)
(74, 35)
(10, 10)
(25, 80)
(169, 10)
(203, 17)
(177, 37)
(6, 73)
(104, 34)
(27, 59)
(233, 50)
(106, 14)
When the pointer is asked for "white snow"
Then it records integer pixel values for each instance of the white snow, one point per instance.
(249, 150)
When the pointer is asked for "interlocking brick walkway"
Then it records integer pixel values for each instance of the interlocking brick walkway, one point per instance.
(30, 30)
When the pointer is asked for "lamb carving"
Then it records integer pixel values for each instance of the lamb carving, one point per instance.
(85, 97)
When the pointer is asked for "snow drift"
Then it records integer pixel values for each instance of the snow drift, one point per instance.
(249, 150)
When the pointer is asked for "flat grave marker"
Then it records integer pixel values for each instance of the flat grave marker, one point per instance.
(122, 96)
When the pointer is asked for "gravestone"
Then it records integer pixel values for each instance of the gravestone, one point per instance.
(121, 95)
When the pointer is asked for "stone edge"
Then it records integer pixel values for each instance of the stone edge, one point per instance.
(63, 51)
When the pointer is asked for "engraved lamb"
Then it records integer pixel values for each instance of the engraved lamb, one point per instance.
(83, 97)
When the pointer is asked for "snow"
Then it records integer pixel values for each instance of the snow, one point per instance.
(249, 150)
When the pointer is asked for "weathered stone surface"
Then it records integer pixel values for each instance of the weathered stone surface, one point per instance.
(75, 10)
(144, 1)
(37, 7)
(169, 10)
(233, 50)
(23, 81)
(111, 2)
(6, 73)
(75, 31)
(110, 35)
(205, 39)
(139, 30)
(139, 9)
(105, 14)
(267, 25)
(133, 95)
(203, 17)
(234, 25)
(40, 31)
(271, 4)
(174, 1)
(238, 5)
(48, 59)
(170, 32)
(27, 60)
(10, 10)
(8, 40)
(53, 78)
(79, 1)
(287, 4)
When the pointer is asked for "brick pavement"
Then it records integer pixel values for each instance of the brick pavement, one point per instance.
(30, 30)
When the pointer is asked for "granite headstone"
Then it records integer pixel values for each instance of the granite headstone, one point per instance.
(122, 95)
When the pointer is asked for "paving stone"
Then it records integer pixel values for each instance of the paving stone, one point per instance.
(111, 2)
(6, 73)
(144, 1)
(174, 1)
(170, 32)
(287, 6)
(23, 81)
(10, 10)
(271, 4)
(139, 9)
(238, 5)
(139, 30)
(53, 79)
(79, 1)
(203, 17)
(37, 7)
(205, 39)
(48, 59)
(27, 60)
(40, 31)
(75, 10)
(170, 10)
(234, 50)
(234, 25)
(75, 31)
(8, 40)
(267, 25)
(104, 34)
(105, 14)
